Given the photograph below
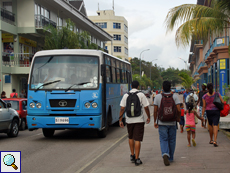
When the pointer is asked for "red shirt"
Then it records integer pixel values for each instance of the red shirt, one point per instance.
(182, 111)
(12, 95)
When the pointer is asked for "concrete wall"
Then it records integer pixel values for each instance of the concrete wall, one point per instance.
(25, 13)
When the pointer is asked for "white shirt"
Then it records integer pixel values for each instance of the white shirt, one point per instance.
(194, 95)
(144, 103)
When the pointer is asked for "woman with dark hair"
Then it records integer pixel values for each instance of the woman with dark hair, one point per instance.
(213, 113)
(3, 95)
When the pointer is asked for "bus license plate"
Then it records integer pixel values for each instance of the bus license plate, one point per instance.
(59, 120)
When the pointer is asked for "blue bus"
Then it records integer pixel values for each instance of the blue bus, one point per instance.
(74, 88)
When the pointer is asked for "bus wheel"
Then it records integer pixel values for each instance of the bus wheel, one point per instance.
(48, 133)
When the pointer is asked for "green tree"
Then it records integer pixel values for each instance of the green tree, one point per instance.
(187, 80)
(198, 21)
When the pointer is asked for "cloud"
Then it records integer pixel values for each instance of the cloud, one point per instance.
(146, 29)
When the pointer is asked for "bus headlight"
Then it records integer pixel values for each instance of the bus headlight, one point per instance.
(38, 105)
(87, 105)
(32, 105)
(94, 105)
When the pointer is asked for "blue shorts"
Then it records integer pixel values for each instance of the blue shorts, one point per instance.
(205, 116)
(182, 120)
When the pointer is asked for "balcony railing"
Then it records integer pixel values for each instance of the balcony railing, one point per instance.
(42, 21)
(216, 43)
(7, 16)
(16, 60)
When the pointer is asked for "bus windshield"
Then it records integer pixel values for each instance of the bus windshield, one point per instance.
(66, 70)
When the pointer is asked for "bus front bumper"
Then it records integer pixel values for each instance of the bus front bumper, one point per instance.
(86, 122)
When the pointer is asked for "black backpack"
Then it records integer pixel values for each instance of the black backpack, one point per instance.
(133, 105)
(15, 96)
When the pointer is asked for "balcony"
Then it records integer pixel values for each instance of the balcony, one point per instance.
(42, 21)
(217, 43)
(16, 60)
(7, 16)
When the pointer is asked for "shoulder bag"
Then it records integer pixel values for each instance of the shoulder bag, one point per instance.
(217, 102)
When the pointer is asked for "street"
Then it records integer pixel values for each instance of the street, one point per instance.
(67, 151)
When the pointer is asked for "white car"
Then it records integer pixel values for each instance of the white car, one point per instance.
(9, 120)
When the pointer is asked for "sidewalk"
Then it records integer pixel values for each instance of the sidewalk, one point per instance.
(202, 158)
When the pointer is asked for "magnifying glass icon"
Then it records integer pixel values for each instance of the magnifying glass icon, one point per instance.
(9, 160)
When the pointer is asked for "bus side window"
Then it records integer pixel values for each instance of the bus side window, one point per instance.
(118, 76)
(108, 74)
(124, 76)
(121, 75)
(114, 75)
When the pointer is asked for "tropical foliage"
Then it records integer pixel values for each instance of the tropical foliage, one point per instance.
(187, 80)
(197, 21)
(66, 38)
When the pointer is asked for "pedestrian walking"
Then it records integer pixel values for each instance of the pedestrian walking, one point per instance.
(186, 93)
(213, 113)
(166, 115)
(182, 118)
(14, 94)
(190, 125)
(201, 94)
(192, 98)
(153, 96)
(3, 95)
(22, 94)
(133, 102)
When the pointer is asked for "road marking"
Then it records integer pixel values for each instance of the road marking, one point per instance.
(88, 164)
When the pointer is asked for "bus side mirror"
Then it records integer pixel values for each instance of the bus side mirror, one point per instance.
(103, 69)
(8, 105)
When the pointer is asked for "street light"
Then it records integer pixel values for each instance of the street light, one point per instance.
(186, 67)
(140, 60)
(151, 66)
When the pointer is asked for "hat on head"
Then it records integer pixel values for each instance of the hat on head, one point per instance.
(204, 84)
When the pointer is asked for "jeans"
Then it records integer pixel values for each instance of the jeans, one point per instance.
(167, 135)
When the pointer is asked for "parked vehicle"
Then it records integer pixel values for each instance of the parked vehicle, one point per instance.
(9, 120)
(146, 93)
(20, 105)
(173, 89)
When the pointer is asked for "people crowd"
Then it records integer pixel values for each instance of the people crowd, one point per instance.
(168, 112)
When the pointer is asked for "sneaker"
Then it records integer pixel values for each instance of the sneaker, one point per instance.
(166, 160)
(132, 158)
(138, 161)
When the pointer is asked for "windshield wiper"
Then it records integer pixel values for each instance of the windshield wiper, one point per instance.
(48, 83)
(83, 83)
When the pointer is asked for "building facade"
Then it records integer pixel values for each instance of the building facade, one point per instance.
(209, 59)
(117, 26)
(22, 33)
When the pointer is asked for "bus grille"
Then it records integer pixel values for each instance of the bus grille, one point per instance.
(62, 103)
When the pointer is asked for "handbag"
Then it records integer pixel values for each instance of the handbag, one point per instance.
(225, 111)
(217, 102)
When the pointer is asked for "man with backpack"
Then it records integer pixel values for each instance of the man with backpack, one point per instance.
(132, 103)
(14, 94)
(166, 115)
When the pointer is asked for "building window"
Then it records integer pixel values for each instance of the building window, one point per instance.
(117, 37)
(116, 25)
(126, 51)
(126, 39)
(102, 25)
(126, 28)
(117, 48)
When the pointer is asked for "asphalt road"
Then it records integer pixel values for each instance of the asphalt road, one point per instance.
(68, 151)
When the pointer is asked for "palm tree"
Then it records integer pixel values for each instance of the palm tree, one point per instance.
(198, 21)
(187, 80)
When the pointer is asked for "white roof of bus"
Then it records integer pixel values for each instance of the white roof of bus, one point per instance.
(74, 51)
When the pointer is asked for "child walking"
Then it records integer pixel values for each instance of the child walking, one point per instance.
(190, 124)
(182, 118)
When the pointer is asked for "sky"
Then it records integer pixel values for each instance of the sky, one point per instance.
(146, 29)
